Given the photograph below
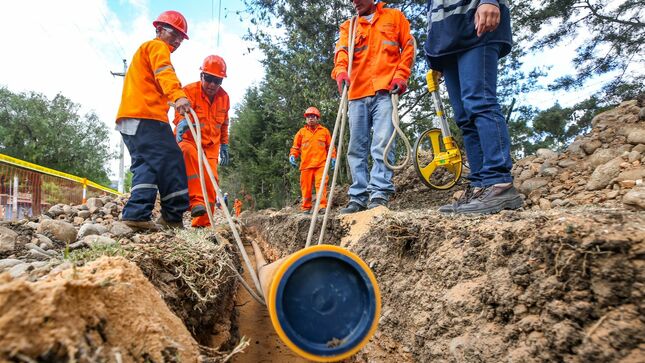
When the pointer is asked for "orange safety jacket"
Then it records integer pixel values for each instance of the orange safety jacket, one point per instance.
(383, 50)
(312, 144)
(150, 84)
(213, 117)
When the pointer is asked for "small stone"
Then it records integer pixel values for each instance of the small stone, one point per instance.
(567, 163)
(631, 174)
(526, 174)
(613, 194)
(69, 210)
(636, 136)
(119, 229)
(635, 198)
(94, 241)
(63, 266)
(7, 239)
(8, 262)
(94, 203)
(77, 245)
(640, 148)
(552, 171)
(32, 225)
(60, 230)
(641, 114)
(544, 204)
(546, 154)
(604, 174)
(56, 210)
(19, 269)
(89, 229)
(590, 146)
(84, 214)
(532, 184)
(78, 221)
(602, 156)
(627, 184)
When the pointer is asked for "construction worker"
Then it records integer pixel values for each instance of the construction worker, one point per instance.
(465, 44)
(211, 104)
(237, 205)
(157, 166)
(382, 58)
(312, 143)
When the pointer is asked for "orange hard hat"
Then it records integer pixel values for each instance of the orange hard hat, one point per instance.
(215, 66)
(175, 20)
(312, 111)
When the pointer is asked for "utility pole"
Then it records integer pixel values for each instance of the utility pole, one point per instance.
(121, 185)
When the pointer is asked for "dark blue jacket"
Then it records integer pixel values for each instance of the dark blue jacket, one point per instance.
(451, 28)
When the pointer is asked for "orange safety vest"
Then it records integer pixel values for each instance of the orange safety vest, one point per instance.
(150, 84)
(313, 145)
(383, 50)
(213, 117)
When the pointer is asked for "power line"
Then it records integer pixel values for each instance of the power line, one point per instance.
(105, 25)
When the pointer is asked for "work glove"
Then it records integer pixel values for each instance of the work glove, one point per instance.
(342, 80)
(223, 155)
(292, 160)
(182, 127)
(333, 163)
(398, 86)
(182, 105)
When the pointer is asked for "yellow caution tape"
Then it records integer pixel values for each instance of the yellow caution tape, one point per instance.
(41, 169)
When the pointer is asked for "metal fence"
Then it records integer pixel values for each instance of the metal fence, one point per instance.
(28, 189)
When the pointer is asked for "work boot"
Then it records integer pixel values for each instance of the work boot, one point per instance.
(141, 225)
(198, 211)
(492, 199)
(352, 207)
(168, 225)
(464, 198)
(307, 211)
(377, 202)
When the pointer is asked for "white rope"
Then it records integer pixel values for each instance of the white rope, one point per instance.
(396, 122)
(203, 161)
(341, 118)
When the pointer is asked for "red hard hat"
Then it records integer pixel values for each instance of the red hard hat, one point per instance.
(215, 66)
(312, 111)
(175, 20)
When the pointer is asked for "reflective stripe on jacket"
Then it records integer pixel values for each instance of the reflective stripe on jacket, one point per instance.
(312, 146)
(213, 117)
(383, 50)
(149, 84)
(451, 29)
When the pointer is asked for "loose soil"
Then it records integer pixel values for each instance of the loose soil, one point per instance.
(255, 324)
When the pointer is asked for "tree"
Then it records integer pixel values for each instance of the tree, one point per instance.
(611, 35)
(52, 134)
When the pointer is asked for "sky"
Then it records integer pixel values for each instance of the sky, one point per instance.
(70, 47)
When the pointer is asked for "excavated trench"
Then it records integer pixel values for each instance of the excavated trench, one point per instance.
(562, 280)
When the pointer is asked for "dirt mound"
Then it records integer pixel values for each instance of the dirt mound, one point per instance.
(192, 270)
(605, 167)
(105, 311)
(561, 280)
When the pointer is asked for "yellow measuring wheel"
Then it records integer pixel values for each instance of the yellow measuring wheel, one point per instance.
(437, 158)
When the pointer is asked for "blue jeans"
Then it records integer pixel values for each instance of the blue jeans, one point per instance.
(157, 165)
(369, 114)
(471, 79)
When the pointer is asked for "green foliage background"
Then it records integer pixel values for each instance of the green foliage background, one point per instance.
(51, 133)
(298, 37)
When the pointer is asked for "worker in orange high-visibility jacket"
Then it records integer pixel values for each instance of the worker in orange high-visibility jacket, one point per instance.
(211, 104)
(382, 58)
(157, 165)
(312, 143)
(237, 205)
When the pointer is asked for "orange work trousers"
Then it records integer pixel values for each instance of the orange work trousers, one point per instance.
(195, 194)
(307, 179)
